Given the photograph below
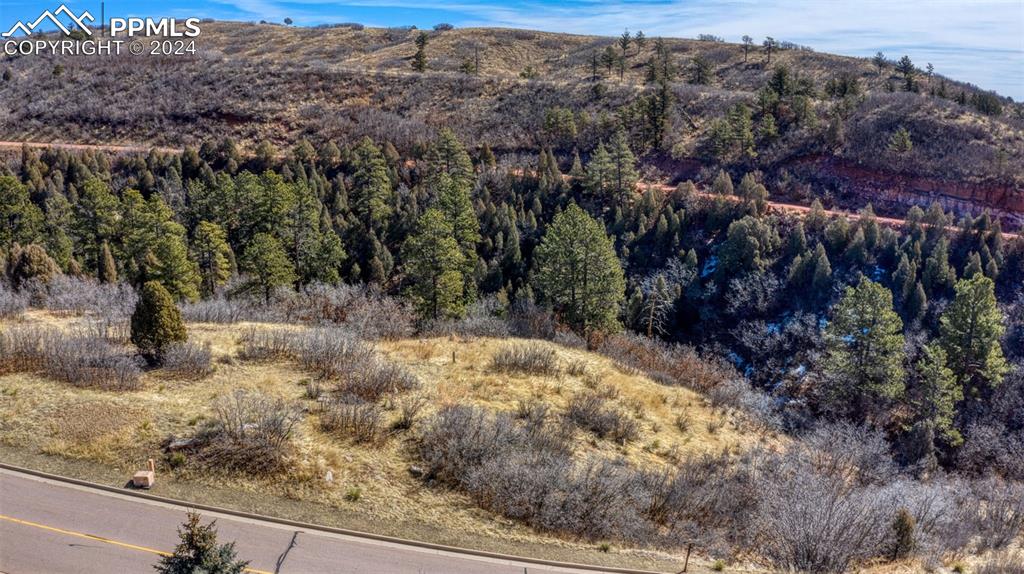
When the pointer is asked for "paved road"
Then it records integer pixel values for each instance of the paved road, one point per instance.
(54, 528)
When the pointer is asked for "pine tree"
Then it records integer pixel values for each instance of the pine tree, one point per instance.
(935, 393)
(453, 201)
(864, 349)
(600, 173)
(371, 187)
(94, 221)
(938, 275)
(419, 60)
(434, 262)
(970, 331)
(267, 265)
(749, 246)
(578, 272)
(623, 163)
(213, 256)
(156, 323)
(198, 552)
(902, 542)
(20, 220)
(30, 263)
(448, 156)
(900, 142)
(754, 195)
(107, 272)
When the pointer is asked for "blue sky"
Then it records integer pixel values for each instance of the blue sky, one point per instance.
(980, 41)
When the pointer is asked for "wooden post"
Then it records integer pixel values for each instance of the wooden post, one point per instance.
(686, 561)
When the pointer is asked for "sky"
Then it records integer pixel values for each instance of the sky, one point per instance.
(978, 41)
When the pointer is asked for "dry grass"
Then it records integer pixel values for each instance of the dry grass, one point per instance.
(122, 429)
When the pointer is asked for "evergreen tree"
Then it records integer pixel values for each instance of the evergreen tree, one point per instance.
(935, 393)
(199, 553)
(213, 256)
(107, 272)
(447, 156)
(578, 272)
(453, 201)
(749, 245)
(371, 187)
(94, 222)
(864, 350)
(600, 173)
(20, 220)
(30, 263)
(623, 164)
(267, 265)
(434, 262)
(419, 60)
(156, 323)
(970, 331)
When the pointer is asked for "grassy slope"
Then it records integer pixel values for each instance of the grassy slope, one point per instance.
(121, 430)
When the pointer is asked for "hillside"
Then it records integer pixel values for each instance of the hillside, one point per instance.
(255, 83)
(371, 485)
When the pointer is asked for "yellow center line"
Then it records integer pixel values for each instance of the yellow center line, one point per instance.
(102, 539)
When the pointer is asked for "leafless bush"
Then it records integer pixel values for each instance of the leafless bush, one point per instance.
(12, 303)
(853, 454)
(517, 472)
(362, 310)
(1008, 562)
(354, 417)
(738, 394)
(813, 523)
(328, 351)
(375, 378)
(266, 344)
(22, 349)
(592, 412)
(217, 310)
(189, 360)
(676, 365)
(86, 361)
(998, 516)
(408, 409)
(78, 296)
(526, 358)
(250, 433)
(481, 320)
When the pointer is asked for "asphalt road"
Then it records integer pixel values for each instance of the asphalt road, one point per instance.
(52, 527)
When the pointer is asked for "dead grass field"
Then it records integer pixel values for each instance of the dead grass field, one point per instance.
(121, 430)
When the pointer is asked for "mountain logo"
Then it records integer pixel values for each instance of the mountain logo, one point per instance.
(78, 22)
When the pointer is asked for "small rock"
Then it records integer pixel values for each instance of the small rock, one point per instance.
(329, 477)
(416, 471)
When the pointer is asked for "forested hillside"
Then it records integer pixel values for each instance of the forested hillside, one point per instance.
(817, 125)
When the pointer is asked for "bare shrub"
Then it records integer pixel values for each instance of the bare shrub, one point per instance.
(853, 454)
(519, 472)
(481, 320)
(408, 409)
(813, 523)
(189, 360)
(12, 303)
(266, 344)
(328, 352)
(250, 433)
(676, 365)
(375, 378)
(1008, 562)
(22, 349)
(591, 412)
(527, 358)
(87, 361)
(353, 417)
(998, 516)
(216, 310)
(739, 395)
(80, 359)
(78, 296)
